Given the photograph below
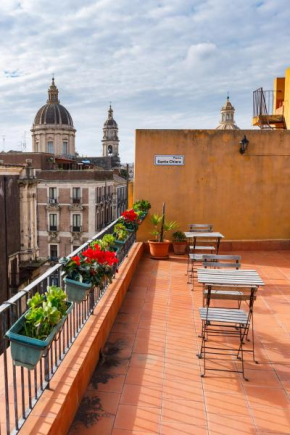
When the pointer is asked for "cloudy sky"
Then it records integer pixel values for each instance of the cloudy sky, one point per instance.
(162, 63)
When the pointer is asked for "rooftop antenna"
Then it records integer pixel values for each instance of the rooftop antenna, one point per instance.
(228, 95)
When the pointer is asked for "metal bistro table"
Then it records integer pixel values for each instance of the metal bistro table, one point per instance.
(235, 278)
(207, 235)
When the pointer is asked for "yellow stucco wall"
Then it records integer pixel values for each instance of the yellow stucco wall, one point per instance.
(246, 197)
(287, 98)
(279, 93)
(130, 194)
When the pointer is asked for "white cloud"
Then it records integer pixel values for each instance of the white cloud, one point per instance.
(199, 54)
(165, 64)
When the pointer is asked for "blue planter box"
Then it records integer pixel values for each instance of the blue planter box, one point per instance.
(76, 291)
(27, 351)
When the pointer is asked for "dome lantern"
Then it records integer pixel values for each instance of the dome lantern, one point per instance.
(227, 121)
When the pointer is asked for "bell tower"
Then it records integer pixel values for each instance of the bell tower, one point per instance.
(110, 139)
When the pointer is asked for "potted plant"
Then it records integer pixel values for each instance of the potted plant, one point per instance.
(120, 233)
(34, 331)
(89, 269)
(159, 247)
(179, 242)
(142, 206)
(130, 220)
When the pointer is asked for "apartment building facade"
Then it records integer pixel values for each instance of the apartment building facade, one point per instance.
(73, 205)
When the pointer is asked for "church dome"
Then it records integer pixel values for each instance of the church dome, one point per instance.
(53, 112)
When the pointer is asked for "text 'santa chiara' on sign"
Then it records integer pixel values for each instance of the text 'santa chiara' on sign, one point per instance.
(168, 160)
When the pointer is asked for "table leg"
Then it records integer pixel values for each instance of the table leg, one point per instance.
(218, 245)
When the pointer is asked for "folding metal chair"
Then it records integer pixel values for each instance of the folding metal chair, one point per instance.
(227, 322)
(221, 262)
(196, 251)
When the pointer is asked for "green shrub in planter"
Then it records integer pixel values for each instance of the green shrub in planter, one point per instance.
(35, 330)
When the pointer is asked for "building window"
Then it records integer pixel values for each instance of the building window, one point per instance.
(53, 253)
(53, 222)
(76, 199)
(76, 218)
(50, 147)
(36, 147)
(64, 148)
(52, 195)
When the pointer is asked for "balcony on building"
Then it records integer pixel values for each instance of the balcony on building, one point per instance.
(76, 204)
(52, 228)
(52, 204)
(268, 109)
(146, 328)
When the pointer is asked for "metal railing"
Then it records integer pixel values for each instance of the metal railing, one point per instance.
(19, 387)
(264, 102)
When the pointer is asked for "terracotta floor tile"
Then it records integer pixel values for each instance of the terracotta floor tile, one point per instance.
(262, 377)
(146, 360)
(173, 428)
(138, 419)
(283, 371)
(113, 384)
(184, 411)
(175, 390)
(264, 396)
(142, 376)
(103, 426)
(141, 395)
(130, 432)
(272, 420)
(227, 404)
(233, 425)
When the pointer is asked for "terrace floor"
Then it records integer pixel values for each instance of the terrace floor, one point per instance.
(148, 380)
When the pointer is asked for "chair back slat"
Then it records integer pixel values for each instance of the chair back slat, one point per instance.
(215, 264)
(222, 257)
(221, 261)
(200, 228)
(230, 293)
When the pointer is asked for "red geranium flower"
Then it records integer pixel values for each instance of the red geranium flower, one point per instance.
(76, 259)
(129, 215)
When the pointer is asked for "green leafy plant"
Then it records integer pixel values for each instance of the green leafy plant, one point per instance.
(45, 311)
(120, 231)
(161, 227)
(179, 236)
(106, 243)
(142, 205)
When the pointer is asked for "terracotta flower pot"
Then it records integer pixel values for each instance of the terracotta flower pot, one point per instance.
(159, 250)
(179, 247)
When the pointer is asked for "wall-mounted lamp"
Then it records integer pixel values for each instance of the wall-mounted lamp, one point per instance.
(244, 144)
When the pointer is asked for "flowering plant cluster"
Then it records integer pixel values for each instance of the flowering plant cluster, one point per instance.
(130, 215)
(131, 219)
(91, 266)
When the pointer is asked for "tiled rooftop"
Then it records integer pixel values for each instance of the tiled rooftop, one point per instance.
(148, 380)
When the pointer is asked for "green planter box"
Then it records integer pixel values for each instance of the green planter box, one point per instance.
(120, 242)
(76, 291)
(27, 351)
